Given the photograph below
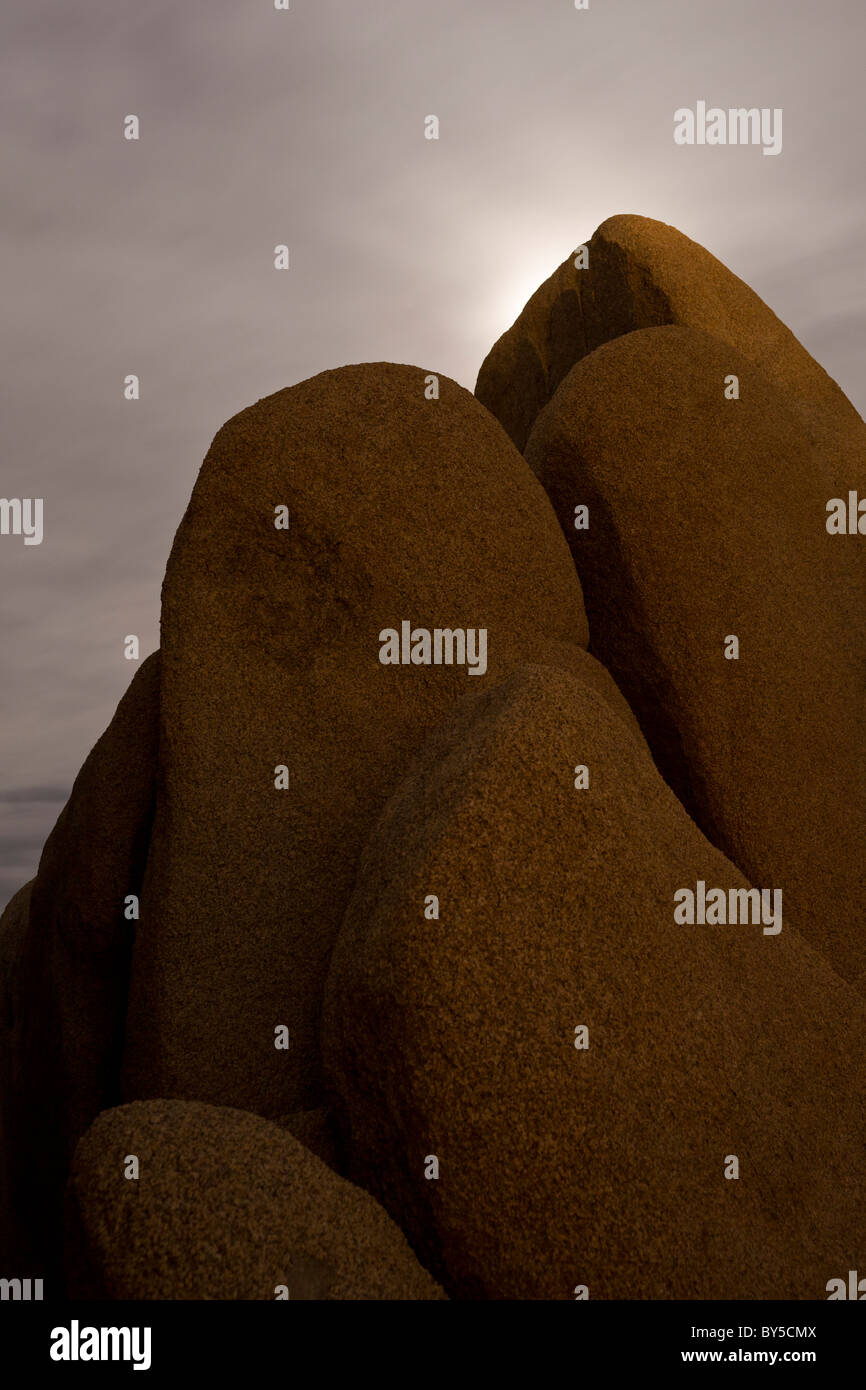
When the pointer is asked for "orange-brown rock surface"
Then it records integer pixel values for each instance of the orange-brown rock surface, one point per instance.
(227, 1206)
(644, 274)
(454, 1039)
(402, 508)
(414, 922)
(707, 519)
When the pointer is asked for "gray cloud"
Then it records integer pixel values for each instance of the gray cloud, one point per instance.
(29, 795)
(307, 127)
(17, 849)
(25, 822)
(10, 881)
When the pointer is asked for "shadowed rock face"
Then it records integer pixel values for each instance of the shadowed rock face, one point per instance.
(67, 946)
(15, 1240)
(315, 1130)
(707, 518)
(455, 1038)
(645, 274)
(401, 508)
(225, 1206)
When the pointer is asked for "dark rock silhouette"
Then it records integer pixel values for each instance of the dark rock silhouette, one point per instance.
(455, 1038)
(66, 995)
(227, 1206)
(315, 1130)
(15, 1238)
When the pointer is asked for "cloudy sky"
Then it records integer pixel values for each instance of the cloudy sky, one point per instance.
(261, 127)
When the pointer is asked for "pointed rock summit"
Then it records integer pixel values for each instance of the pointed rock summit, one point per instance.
(644, 274)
